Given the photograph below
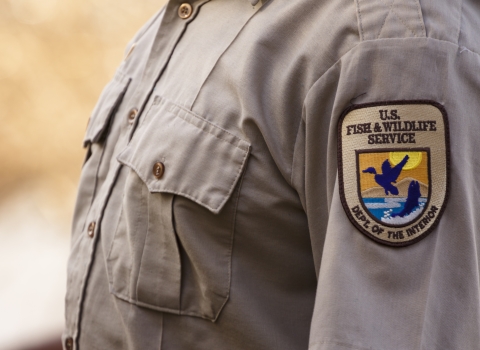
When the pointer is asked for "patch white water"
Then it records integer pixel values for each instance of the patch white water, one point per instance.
(398, 220)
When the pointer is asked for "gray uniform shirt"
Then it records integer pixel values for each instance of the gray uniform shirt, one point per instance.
(214, 209)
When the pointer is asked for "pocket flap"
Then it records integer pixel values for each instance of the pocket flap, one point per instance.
(201, 161)
(107, 105)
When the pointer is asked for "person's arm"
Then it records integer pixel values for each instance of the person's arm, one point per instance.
(394, 275)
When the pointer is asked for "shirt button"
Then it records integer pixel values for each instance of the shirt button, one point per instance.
(158, 170)
(132, 115)
(91, 229)
(185, 11)
(69, 343)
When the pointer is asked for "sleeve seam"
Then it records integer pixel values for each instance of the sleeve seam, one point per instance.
(302, 119)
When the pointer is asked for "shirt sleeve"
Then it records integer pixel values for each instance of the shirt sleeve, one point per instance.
(372, 294)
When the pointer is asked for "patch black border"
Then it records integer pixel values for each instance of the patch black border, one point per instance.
(346, 208)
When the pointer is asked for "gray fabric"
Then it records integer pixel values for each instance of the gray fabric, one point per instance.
(244, 243)
(389, 19)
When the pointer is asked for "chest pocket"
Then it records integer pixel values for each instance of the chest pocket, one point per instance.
(173, 243)
(105, 109)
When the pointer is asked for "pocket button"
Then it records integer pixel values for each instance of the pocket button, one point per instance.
(158, 170)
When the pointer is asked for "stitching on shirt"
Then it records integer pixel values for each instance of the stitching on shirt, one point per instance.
(460, 23)
(420, 17)
(223, 53)
(400, 18)
(110, 249)
(385, 19)
(463, 48)
(362, 36)
(295, 147)
(185, 112)
(158, 308)
(419, 38)
(346, 345)
(133, 287)
(230, 252)
(235, 178)
(175, 106)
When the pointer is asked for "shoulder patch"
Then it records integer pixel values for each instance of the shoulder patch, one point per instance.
(393, 168)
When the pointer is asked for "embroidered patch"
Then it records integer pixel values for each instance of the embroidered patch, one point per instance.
(393, 168)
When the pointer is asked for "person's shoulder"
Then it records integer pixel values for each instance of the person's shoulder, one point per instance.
(317, 31)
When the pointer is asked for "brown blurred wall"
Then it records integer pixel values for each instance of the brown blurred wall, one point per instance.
(55, 58)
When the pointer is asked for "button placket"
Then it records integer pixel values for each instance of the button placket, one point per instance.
(155, 63)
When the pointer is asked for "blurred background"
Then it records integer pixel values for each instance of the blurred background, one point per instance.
(55, 58)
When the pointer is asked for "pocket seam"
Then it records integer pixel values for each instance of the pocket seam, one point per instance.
(133, 288)
(187, 112)
(230, 252)
(163, 309)
(108, 256)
